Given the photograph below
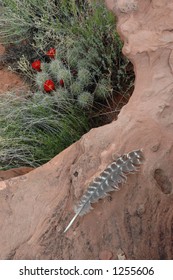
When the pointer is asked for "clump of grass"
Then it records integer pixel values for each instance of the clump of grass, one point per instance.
(35, 129)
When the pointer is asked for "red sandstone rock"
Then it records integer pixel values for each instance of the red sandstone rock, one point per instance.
(137, 222)
(105, 255)
(14, 172)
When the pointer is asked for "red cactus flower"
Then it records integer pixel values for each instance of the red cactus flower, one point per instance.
(49, 86)
(36, 65)
(61, 83)
(51, 53)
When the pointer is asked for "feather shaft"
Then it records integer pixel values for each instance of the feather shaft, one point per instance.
(71, 222)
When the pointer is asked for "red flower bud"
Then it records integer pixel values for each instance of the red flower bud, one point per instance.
(51, 53)
(49, 86)
(61, 83)
(64, 61)
(36, 65)
(74, 72)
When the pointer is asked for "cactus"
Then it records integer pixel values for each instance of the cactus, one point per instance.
(45, 67)
(40, 79)
(85, 99)
(76, 88)
(103, 88)
(84, 77)
(65, 75)
(54, 67)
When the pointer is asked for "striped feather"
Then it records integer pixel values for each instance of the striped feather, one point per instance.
(109, 180)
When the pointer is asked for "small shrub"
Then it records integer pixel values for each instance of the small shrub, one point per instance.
(85, 99)
(54, 67)
(103, 89)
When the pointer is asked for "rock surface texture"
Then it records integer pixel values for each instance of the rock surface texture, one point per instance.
(14, 172)
(137, 221)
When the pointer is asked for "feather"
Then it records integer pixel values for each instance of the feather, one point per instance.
(109, 180)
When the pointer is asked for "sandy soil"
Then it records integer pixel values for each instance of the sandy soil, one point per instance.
(8, 79)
